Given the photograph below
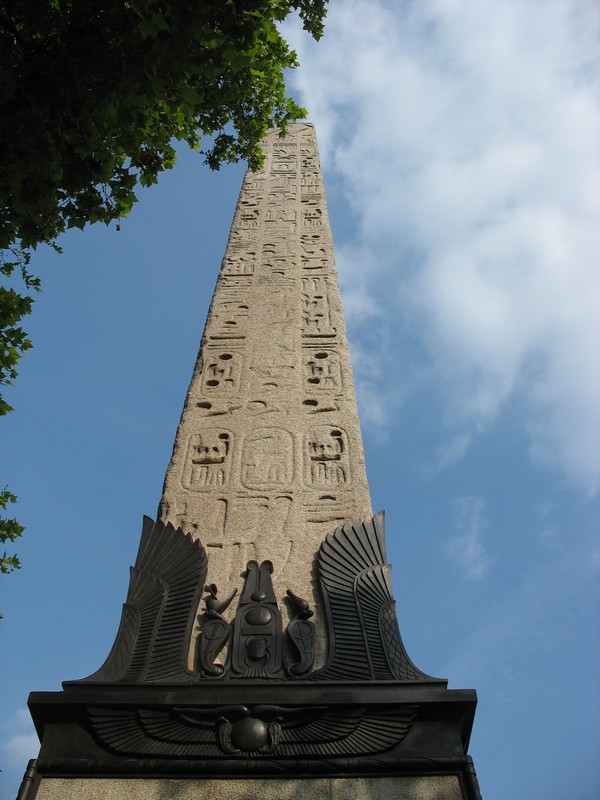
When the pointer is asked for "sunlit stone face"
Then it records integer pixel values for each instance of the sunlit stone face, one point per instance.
(268, 457)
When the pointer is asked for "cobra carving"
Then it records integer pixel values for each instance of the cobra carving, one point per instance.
(215, 632)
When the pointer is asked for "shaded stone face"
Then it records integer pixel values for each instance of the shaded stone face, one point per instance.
(268, 456)
(442, 787)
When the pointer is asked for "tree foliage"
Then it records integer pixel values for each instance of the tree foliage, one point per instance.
(9, 531)
(94, 94)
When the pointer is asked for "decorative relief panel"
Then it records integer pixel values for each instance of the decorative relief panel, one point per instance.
(255, 527)
(280, 216)
(229, 316)
(312, 405)
(242, 238)
(284, 161)
(216, 407)
(322, 371)
(248, 217)
(326, 508)
(308, 139)
(212, 511)
(253, 196)
(354, 580)
(268, 459)
(314, 254)
(266, 405)
(274, 371)
(235, 282)
(276, 245)
(282, 194)
(311, 199)
(282, 182)
(314, 263)
(214, 519)
(277, 307)
(222, 372)
(312, 216)
(316, 319)
(279, 254)
(310, 183)
(326, 461)
(239, 263)
(263, 521)
(208, 462)
(280, 266)
(315, 244)
(254, 181)
(309, 161)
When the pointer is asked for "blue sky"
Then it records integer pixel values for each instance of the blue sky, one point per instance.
(459, 144)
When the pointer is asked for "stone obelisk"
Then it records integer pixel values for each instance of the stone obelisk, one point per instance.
(259, 653)
(268, 457)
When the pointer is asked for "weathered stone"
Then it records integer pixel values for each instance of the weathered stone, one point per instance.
(433, 787)
(268, 457)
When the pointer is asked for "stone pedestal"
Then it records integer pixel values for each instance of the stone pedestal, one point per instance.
(407, 787)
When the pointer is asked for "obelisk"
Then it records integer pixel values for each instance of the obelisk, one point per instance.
(258, 653)
(268, 457)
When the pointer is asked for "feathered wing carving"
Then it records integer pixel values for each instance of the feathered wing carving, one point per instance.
(163, 597)
(302, 732)
(365, 642)
(147, 732)
(354, 730)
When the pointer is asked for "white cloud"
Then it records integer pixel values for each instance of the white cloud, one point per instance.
(453, 450)
(465, 136)
(467, 546)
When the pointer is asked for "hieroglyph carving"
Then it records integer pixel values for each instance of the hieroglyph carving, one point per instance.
(229, 316)
(281, 216)
(253, 182)
(312, 216)
(277, 307)
(309, 161)
(314, 254)
(284, 161)
(326, 457)
(248, 218)
(310, 183)
(277, 246)
(222, 372)
(274, 373)
(239, 263)
(268, 459)
(285, 193)
(208, 461)
(322, 371)
(316, 320)
(242, 238)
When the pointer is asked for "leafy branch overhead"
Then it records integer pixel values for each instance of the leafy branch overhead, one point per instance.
(9, 531)
(94, 96)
